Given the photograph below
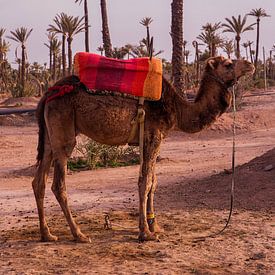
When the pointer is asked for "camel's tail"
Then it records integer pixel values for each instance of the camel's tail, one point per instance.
(42, 128)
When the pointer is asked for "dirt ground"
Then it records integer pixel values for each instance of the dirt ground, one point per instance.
(192, 200)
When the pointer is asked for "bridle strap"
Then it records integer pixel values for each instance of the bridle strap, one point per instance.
(221, 82)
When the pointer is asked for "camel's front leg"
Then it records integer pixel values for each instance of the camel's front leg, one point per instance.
(145, 183)
(59, 189)
(151, 218)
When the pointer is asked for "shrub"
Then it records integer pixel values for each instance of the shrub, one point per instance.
(94, 155)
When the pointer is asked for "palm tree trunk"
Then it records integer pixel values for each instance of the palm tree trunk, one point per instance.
(23, 69)
(86, 26)
(238, 54)
(177, 42)
(213, 49)
(63, 55)
(51, 56)
(250, 52)
(69, 40)
(197, 62)
(257, 45)
(246, 53)
(54, 67)
(270, 65)
(105, 30)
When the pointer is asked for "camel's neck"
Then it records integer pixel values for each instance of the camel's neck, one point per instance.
(212, 100)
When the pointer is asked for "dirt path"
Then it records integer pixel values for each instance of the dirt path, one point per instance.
(192, 200)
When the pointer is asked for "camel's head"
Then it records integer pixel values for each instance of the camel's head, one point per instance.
(228, 71)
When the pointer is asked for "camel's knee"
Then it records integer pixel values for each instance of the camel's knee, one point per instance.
(38, 186)
(68, 149)
(58, 186)
(145, 184)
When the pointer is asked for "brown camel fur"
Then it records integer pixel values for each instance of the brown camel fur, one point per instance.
(106, 118)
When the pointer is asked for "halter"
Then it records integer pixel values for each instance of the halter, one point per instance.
(224, 85)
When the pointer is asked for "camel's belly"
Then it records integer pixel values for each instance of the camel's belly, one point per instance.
(108, 123)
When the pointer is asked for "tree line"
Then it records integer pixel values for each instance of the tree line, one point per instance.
(28, 77)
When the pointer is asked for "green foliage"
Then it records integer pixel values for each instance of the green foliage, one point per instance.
(244, 84)
(94, 155)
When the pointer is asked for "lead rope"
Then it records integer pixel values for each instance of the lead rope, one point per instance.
(197, 239)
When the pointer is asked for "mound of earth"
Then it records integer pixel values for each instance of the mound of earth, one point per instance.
(254, 188)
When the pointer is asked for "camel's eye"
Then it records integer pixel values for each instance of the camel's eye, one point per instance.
(229, 65)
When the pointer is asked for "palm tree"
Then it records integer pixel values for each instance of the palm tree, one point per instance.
(100, 49)
(21, 36)
(2, 31)
(186, 55)
(210, 37)
(197, 61)
(107, 45)
(55, 49)
(86, 16)
(119, 53)
(128, 48)
(249, 43)
(51, 37)
(148, 41)
(184, 49)
(72, 26)
(4, 48)
(245, 45)
(237, 26)
(228, 47)
(60, 28)
(141, 50)
(177, 43)
(258, 13)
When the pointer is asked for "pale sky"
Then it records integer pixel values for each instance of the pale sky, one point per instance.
(124, 17)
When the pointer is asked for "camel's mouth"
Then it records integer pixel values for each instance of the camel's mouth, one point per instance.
(243, 67)
(250, 70)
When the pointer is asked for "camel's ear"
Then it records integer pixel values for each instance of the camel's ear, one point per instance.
(211, 63)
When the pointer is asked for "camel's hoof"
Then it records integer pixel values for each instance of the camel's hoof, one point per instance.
(82, 239)
(155, 228)
(147, 236)
(49, 238)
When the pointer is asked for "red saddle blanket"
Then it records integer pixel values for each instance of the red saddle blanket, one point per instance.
(140, 77)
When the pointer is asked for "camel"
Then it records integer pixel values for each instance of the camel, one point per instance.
(106, 118)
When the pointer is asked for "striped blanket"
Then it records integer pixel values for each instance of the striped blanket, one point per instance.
(140, 77)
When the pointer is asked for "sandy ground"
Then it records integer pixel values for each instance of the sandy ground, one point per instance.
(192, 200)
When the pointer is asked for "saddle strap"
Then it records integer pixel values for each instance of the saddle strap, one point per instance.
(141, 119)
(138, 122)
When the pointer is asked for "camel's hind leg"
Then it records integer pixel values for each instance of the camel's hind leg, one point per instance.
(61, 131)
(38, 185)
(59, 189)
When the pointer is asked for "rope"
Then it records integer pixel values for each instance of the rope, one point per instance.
(141, 115)
(141, 119)
(109, 225)
(197, 239)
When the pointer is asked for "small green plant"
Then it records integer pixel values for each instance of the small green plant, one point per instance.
(244, 84)
(94, 155)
